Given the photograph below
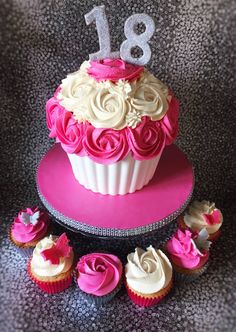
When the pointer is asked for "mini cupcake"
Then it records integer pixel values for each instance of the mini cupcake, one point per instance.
(30, 226)
(188, 253)
(51, 265)
(202, 215)
(148, 276)
(99, 277)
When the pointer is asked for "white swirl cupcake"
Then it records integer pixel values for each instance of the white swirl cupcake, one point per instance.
(51, 265)
(202, 215)
(148, 276)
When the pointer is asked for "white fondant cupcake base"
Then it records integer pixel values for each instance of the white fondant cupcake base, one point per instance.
(123, 177)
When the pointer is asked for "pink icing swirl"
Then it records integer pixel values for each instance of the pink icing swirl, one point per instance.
(147, 140)
(53, 112)
(114, 70)
(27, 233)
(169, 122)
(106, 145)
(70, 133)
(183, 252)
(99, 273)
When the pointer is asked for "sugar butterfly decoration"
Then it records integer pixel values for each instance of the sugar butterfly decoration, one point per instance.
(60, 249)
(201, 242)
(28, 219)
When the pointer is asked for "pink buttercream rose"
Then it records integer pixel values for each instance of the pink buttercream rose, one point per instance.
(114, 70)
(183, 251)
(147, 140)
(24, 231)
(70, 133)
(169, 122)
(99, 273)
(53, 112)
(106, 146)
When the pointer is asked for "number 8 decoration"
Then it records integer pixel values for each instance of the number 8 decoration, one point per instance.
(133, 39)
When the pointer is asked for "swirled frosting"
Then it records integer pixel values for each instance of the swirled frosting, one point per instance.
(148, 271)
(147, 140)
(99, 273)
(106, 145)
(114, 70)
(70, 133)
(45, 268)
(184, 252)
(108, 104)
(203, 215)
(25, 231)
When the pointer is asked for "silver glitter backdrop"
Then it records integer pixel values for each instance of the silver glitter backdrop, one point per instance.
(194, 53)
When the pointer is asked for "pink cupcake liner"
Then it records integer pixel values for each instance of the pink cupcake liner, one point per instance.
(50, 287)
(145, 301)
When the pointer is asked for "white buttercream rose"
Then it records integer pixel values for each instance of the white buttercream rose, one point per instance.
(108, 109)
(150, 100)
(148, 271)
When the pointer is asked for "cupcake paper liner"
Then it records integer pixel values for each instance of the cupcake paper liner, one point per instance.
(213, 237)
(25, 252)
(100, 300)
(50, 287)
(143, 301)
(189, 277)
(120, 178)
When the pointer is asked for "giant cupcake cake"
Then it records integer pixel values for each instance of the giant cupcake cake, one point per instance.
(113, 119)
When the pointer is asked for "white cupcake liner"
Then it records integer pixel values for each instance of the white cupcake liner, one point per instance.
(123, 177)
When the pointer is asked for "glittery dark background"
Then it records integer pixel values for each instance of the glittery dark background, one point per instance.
(194, 53)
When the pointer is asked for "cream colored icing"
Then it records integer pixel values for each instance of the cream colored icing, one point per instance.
(148, 271)
(194, 217)
(113, 105)
(44, 268)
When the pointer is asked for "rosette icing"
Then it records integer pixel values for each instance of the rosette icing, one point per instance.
(27, 229)
(203, 215)
(45, 268)
(147, 140)
(148, 271)
(107, 104)
(70, 133)
(109, 108)
(53, 112)
(184, 252)
(106, 145)
(114, 70)
(99, 273)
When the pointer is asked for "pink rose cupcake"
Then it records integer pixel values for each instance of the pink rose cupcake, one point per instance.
(51, 265)
(188, 253)
(99, 277)
(113, 119)
(202, 215)
(29, 227)
(148, 276)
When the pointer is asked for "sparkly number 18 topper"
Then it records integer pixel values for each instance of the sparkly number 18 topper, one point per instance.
(133, 39)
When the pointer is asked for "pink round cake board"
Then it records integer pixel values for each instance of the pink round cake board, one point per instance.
(165, 195)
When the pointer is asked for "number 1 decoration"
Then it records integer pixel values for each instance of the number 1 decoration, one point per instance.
(133, 39)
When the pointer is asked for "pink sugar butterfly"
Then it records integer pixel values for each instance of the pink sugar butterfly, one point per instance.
(61, 248)
(213, 218)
